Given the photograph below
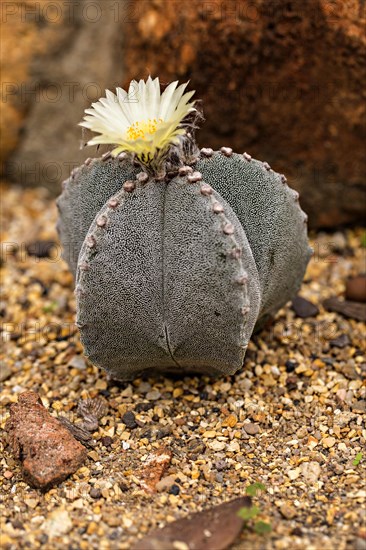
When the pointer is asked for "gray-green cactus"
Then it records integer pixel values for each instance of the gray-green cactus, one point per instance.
(84, 194)
(174, 273)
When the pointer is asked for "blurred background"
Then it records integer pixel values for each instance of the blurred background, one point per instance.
(282, 79)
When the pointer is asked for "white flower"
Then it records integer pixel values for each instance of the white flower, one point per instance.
(141, 121)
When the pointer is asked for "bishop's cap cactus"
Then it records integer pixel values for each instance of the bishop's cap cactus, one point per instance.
(177, 253)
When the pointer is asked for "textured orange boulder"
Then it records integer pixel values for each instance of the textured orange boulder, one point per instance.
(283, 80)
(48, 451)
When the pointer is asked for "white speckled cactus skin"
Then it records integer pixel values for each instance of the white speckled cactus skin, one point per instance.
(174, 274)
(85, 192)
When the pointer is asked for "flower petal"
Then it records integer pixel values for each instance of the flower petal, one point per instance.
(142, 120)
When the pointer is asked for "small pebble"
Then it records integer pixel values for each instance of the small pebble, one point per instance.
(153, 395)
(341, 342)
(95, 493)
(57, 523)
(77, 362)
(290, 365)
(165, 483)
(310, 471)
(106, 441)
(174, 490)
(304, 308)
(250, 428)
(5, 372)
(288, 511)
(129, 419)
(302, 432)
(41, 249)
(294, 474)
(356, 289)
(216, 445)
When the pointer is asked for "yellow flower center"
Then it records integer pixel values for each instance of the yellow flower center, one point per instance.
(143, 127)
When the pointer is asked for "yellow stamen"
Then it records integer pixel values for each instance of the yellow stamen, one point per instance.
(140, 129)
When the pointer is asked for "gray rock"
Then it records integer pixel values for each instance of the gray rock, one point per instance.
(5, 372)
(69, 79)
(250, 428)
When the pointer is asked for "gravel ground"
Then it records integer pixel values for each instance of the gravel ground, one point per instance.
(291, 419)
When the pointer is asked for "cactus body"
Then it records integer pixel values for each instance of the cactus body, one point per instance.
(84, 194)
(174, 274)
(272, 219)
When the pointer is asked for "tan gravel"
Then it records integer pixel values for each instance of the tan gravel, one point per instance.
(291, 419)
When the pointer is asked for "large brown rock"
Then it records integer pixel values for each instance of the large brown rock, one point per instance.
(283, 80)
(47, 450)
(30, 30)
(57, 58)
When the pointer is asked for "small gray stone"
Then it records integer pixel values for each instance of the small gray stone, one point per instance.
(153, 395)
(340, 342)
(144, 387)
(5, 372)
(129, 419)
(359, 406)
(304, 308)
(95, 492)
(250, 428)
(77, 362)
(221, 465)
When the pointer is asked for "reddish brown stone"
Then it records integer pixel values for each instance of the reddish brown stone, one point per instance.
(356, 288)
(47, 450)
(282, 80)
(154, 468)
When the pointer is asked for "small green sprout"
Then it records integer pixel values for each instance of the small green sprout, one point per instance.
(248, 513)
(252, 489)
(357, 459)
(262, 528)
(50, 308)
(363, 240)
(251, 512)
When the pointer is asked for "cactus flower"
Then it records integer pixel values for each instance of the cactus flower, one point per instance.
(142, 121)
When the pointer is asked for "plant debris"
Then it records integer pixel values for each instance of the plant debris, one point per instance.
(353, 310)
(212, 529)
